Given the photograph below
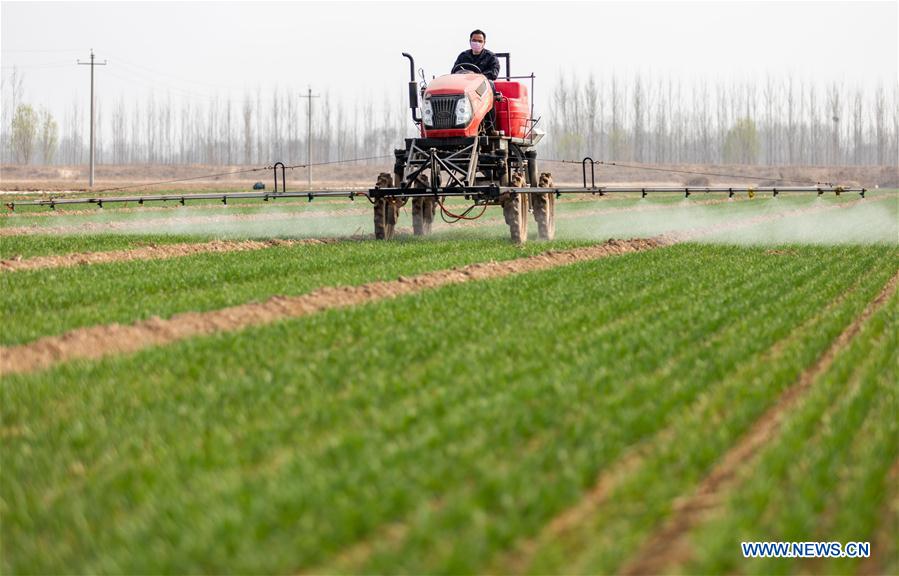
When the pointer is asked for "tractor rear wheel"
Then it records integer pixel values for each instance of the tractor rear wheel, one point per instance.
(423, 210)
(545, 209)
(386, 210)
(515, 211)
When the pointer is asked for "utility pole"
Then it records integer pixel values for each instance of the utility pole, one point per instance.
(92, 63)
(309, 96)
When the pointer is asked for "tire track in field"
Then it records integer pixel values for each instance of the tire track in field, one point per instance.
(669, 544)
(104, 340)
(151, 252)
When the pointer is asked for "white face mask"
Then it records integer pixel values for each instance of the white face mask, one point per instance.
(476, 46)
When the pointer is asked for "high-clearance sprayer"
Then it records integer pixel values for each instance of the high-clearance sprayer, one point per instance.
(463, 150)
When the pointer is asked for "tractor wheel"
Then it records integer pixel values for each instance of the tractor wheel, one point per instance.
(515, 211)
(545, 209)
(386, 210)
(423, 210)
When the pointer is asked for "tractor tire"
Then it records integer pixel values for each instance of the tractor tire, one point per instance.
(423, 210)
(386, 210)
(545, 209)
(515, 211)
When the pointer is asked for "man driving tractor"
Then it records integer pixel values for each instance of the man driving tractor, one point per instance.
(484, 59)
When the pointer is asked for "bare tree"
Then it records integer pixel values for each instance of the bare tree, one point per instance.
(49, 137)
(24, 133)
(247, 130)
(833, 107)
(638, 98)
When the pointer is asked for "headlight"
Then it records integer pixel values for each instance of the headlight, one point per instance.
(463, 111)
(427, 113)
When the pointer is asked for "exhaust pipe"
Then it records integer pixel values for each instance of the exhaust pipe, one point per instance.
(413, 89)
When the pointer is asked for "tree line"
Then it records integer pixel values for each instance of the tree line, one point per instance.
(770, 122)
(626, 119)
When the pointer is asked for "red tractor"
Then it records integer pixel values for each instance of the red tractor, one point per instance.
(464, 150)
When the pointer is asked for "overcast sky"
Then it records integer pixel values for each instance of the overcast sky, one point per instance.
(195, 50)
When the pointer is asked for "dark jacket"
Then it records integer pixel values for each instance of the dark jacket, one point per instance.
(486, 61)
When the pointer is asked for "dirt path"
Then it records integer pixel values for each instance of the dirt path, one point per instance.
(152, 252)
(669, 545)
(104, 340)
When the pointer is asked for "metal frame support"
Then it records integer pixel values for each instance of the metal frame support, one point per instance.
(283, 177)
(508, 58)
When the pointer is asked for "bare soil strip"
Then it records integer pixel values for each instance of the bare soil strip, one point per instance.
(669, 545)
(104, 340)
(151, 252)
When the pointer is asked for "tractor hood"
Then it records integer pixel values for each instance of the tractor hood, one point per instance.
(457, 84)
(454, 105)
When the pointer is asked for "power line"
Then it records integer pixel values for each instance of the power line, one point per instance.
(55, 64)
(43, 51)
(173, 76)
(135, 75)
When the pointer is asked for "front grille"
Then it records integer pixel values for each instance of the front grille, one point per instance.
(444, 108)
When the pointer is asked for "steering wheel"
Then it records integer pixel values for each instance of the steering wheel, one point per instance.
(466, 68)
